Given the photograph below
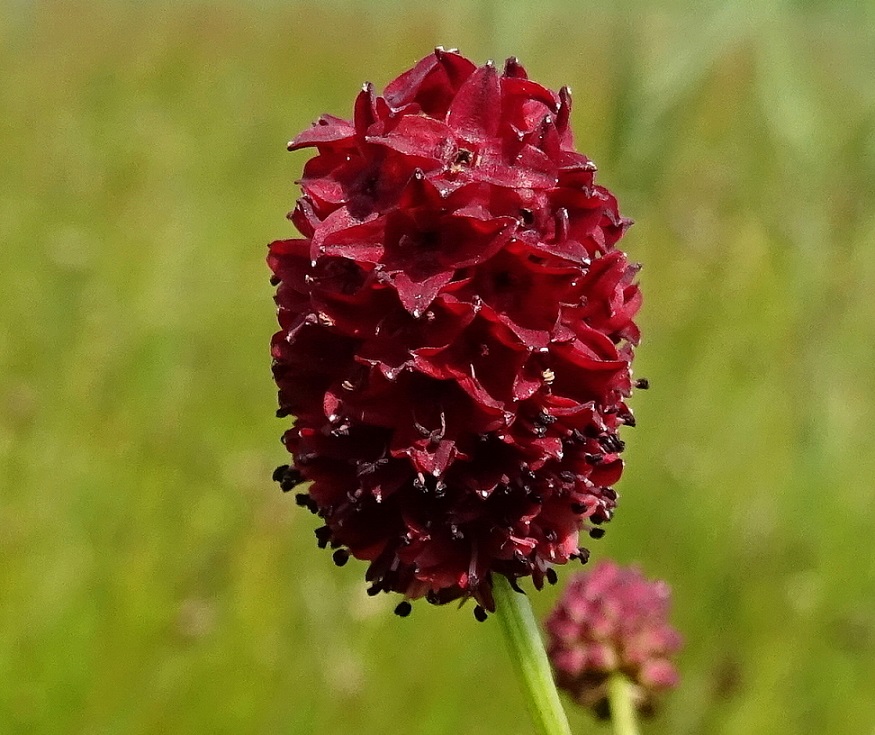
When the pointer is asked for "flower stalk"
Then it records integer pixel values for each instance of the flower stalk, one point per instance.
(529, 658)
(621, 704)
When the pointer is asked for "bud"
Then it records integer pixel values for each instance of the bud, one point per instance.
(612, 619)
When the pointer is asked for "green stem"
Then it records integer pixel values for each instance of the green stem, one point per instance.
(622, 706)
(529, 658)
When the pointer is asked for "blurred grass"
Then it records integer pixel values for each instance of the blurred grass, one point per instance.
(151, 577)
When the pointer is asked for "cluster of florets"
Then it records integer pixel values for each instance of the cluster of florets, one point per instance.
(456, 329)
(613, 620)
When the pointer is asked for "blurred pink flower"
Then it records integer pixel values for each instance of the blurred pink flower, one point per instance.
(612, 619)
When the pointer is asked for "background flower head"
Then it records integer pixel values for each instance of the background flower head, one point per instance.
(612, 619)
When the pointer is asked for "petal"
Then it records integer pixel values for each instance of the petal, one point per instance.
(344, 236)
(417, 295)
(326, 130)
(476, 109)
(419, 136)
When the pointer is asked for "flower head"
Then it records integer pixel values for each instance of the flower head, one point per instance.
(456, 329)
(612, 619)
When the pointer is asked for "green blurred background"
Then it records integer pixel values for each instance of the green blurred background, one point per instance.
(152, 577)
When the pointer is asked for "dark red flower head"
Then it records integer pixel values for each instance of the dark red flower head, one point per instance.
(613, 619)
(456, 328)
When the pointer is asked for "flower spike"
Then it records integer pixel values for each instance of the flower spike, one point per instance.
(456, 333)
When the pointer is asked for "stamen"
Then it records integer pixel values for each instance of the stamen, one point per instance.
(280, 472)
(341, 557)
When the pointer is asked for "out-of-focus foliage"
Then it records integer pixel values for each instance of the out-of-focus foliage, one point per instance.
(154, 580)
